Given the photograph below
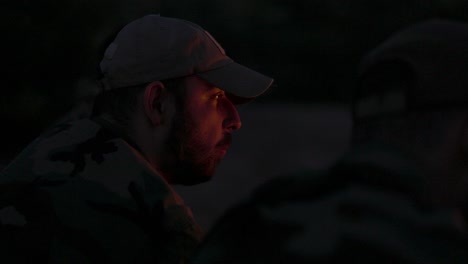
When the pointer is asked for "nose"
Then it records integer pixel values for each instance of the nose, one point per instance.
(232, 121)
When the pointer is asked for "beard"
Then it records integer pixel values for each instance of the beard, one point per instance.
(193, 160)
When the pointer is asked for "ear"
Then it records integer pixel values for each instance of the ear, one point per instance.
(154, 95)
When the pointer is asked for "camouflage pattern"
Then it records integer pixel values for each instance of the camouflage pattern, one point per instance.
(368, 208)
(81, 194)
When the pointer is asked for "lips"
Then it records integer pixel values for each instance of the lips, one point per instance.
(224, 148)
(223, 151)
(224, 144)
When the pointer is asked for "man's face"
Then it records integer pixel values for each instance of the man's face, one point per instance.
(201, 132)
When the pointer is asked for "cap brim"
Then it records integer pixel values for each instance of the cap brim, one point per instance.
(238, 80)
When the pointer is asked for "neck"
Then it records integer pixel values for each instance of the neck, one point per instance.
(149, 140)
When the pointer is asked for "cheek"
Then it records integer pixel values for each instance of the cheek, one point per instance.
(205, 131)
(206, 118)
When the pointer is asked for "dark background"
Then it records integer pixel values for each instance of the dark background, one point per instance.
(51, 49)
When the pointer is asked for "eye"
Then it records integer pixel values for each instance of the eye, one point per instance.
(218, 96)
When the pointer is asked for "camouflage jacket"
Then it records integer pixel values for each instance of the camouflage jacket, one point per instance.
(368, 208)
(80, 193)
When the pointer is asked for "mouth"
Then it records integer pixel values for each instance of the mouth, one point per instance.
(224, 144)
(223, 150)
